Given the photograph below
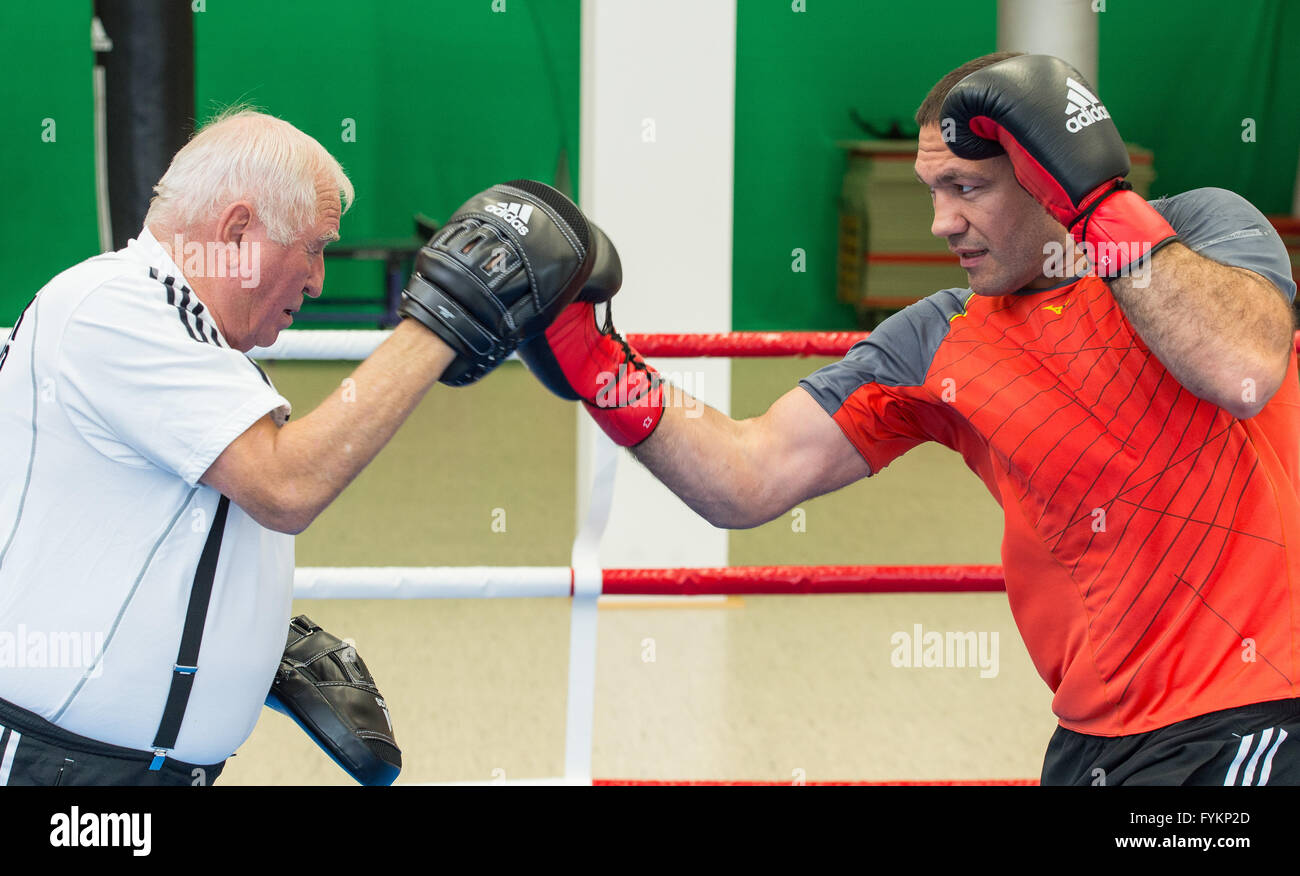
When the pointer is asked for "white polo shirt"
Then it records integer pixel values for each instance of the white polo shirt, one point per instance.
(116, 393)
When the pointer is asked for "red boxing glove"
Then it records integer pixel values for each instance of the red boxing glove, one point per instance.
(577, 359)
(1065, 150)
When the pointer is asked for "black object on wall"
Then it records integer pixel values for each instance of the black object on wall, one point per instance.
(150, 100)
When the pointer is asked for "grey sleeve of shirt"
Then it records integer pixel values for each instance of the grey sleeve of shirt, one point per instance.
(1223, 226)
(898, 352)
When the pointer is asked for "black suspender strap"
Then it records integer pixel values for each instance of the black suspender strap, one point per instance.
(187, 658)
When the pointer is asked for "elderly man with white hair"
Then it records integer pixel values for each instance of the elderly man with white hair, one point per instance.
(150, 480)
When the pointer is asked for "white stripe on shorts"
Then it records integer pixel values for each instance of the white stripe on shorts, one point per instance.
(1246, 740)
(1268, 760)
(6, 764)
(1264, 739)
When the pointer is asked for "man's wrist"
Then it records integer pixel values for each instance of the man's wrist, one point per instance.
(1121, 232)
(431, 350)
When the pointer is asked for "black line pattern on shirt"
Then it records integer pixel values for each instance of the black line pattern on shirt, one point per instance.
(1156, 475)
(976, 342)
(1041, 358)
(1228, 530)
(1156, 483)
(1199, 598)
(13, 332)
(1083, 305)
(1164, 466)
(1056, 389)
(1014, 351)
(1105, 430)
(1170, 542)
(1070, 400)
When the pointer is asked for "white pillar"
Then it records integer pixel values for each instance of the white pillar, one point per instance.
(657, 129)
(657, 134)
(1064, 28)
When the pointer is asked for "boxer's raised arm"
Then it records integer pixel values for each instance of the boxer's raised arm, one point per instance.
(1223, 331)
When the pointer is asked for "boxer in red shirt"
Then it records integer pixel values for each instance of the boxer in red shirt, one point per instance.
(1121, 374)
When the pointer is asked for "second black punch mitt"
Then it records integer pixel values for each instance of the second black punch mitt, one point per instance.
(325, 687)
(500, 271)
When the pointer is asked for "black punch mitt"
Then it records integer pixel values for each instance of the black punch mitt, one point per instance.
(323, 685)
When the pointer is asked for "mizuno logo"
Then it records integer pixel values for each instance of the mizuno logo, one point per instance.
(445, 313)
(517, 215)
(1082, 106)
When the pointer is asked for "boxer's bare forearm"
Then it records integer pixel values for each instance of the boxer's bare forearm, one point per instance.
(741, 473)
(284, 477)
(707, 461)
(1224, 333)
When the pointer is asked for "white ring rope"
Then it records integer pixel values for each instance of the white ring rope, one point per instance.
(349, 344)
(431, 582)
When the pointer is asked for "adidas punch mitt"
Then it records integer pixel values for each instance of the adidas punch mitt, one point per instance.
(501, 269)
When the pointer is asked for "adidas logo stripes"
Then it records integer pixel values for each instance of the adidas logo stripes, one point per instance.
(1082, 106)
(1247, 767)
(191, 312)
(513, 213)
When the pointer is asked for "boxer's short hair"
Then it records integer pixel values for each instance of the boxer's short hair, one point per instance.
(246, 154)
(928, 112)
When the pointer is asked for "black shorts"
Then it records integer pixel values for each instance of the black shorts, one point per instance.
(35, 752)
(1250, 745)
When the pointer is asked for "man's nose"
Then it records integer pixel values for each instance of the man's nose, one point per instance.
(948, 218)
(316, 281)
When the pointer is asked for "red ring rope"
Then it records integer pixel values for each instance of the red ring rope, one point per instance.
(755, 343)
(746, 343)
(803, 579)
